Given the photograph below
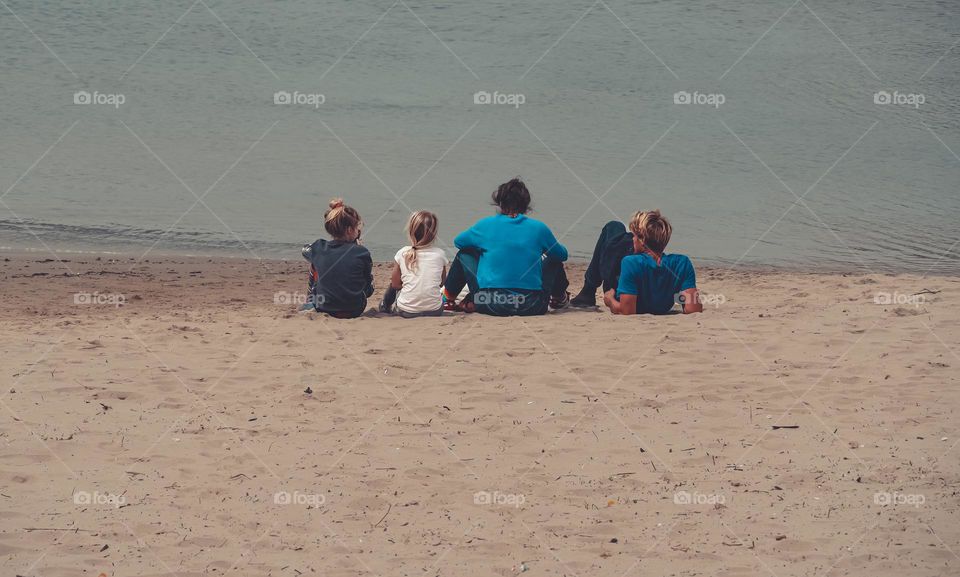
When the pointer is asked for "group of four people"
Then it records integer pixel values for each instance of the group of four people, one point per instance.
(510, 264)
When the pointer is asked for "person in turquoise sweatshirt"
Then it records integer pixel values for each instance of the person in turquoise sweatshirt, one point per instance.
(512, 264)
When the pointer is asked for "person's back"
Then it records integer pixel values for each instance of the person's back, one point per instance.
(343, 275)
(511, 248)
(656, 286)
(341, 269)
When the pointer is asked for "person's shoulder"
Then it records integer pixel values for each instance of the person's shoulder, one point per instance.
(401, 253)
(679, 260)
(358, 249)
(636, 261)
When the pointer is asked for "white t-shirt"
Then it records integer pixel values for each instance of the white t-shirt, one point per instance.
(421, 290)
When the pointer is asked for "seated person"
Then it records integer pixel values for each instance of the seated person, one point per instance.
(341, 269)
(651, 281)
(512, 264)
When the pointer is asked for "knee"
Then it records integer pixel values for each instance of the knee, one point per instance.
(614, 226)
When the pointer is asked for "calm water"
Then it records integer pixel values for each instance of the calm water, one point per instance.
(798, 118)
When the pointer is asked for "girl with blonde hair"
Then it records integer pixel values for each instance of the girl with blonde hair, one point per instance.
(416, 287)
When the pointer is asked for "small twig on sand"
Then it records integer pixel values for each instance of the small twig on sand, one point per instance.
(384, 515)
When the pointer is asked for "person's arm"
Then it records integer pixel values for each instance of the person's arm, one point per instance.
(627, 289)
(368, 268)
(552, 247)
(689, 295)
(469, 238)
(691, 301)
(395, 280)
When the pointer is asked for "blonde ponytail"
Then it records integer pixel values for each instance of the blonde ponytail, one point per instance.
(422, 231)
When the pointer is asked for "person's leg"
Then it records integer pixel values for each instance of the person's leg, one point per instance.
(555, 283)
(462, 273)
(592, 278)
(389, 297)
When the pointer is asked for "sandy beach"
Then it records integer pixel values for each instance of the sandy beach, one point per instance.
(177, 416)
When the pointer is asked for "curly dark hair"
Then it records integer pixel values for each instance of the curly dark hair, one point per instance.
(512, 197)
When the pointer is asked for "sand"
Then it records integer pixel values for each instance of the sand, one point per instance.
(163, 425)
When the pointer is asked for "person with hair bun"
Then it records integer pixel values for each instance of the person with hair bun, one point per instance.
(512, 264)
(341, 269)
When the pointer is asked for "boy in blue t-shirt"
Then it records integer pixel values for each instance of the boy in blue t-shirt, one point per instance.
(651, 281)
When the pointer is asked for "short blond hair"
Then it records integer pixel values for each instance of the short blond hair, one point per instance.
(652, 229)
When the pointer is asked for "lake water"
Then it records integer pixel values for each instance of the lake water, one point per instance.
(787, 154)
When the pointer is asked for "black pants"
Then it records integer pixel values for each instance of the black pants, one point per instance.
(604, 268)
(506, 301)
